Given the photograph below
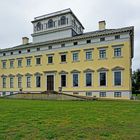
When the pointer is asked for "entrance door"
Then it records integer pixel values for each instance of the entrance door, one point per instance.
(50, 82)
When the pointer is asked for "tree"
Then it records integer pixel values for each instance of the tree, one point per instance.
(136, 80)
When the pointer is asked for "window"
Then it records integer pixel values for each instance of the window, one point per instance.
(19, 63)
(75, 56)
(38, 49)
(117, 78)
(102, 78)
(38, 81)
(4, 82)
(89, 93)
(50, 59)
(117, 94)
(75, 43)
(63, 20)
(117, 52)
(50, 23)
(11, 82)
(4, 65)
(11, 64)
(28, 81)
(117, 36)
(28, 61)
(102, 94)
(102, 39)
(75, 80)
(88, 79)
(89, 55)
(38, 61)
(3, 93)
(11, 53)
(49, 47)
(19, 82)
(63, 80)
(63, 58)
(62, 45)
(28, 50)
(88, 41)
(4, 54)
(19, 52)
(38, 26)
(102, 54)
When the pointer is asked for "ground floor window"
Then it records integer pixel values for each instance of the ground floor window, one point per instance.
(75, 80)
(19, 82)
(4, 82)
(11, 82)
(88, 79)
(38, 81)
(117, 78)
(102, 78)
(28, 81)
(89, 93)
(63, 80)
(102, 94)
(117, 94)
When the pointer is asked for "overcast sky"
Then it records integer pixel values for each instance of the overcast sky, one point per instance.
(16, 17)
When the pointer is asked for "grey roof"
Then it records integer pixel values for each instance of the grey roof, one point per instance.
(78, 37)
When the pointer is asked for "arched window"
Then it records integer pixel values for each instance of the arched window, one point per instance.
(38, 26)
(63, 20)
(50, 23)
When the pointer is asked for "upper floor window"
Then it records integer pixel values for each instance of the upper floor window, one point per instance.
(4, 65)
(117, 36)
(75, 56)
(117, 78)
(102, 53)
(50, 59)
(89, 55)
(75, 43)
(50, 23)
(117, 52)
(102, 39)
(38, 61)
(49, 47)
(38, 26)
(63, 58)
(63, 20)
(62, 45)
(88, 41)
(28, 62)
(20, 63)
(11, 64)
(38, 49)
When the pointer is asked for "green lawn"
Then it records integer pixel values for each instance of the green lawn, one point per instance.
(69, 120)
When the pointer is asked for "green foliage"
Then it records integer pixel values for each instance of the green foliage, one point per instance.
(136, 80)
(69, 120)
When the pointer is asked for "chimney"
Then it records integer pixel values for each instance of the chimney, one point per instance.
(102, 25)
(25, 40)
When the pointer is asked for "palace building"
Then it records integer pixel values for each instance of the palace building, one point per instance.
(96, 63)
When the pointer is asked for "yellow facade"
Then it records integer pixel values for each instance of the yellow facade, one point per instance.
(109, 64)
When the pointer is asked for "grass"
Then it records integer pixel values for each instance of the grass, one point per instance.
(69, 120)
